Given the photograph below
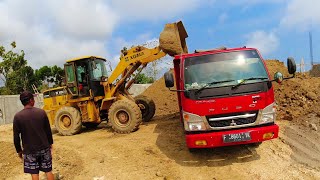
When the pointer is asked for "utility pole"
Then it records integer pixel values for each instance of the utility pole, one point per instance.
(311, 48)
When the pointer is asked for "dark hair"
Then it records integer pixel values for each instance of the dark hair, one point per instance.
(25, 97)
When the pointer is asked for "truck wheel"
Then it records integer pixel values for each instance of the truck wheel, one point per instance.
(124, 116)
(90, 125)
(147, 107)
(68, 121)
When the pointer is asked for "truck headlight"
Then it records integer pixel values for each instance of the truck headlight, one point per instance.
(193, 122)
(268, 114)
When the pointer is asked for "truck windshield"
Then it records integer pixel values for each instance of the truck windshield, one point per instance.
(98, 69)
(228, 68)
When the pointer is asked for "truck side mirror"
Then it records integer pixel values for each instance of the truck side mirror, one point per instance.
(291, 64)
(278, 77)
(168, 78)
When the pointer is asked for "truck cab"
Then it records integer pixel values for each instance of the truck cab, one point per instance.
(225, 97)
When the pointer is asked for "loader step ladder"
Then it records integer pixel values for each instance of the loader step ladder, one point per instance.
(39, 96)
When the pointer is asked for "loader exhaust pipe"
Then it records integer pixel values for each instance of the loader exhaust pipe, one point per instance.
(173, 39)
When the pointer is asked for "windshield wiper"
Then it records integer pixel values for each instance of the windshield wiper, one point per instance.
(212, 83)
(242, 81)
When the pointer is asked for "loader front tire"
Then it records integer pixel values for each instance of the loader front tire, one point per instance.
(68, 121)
(124, 116)
(147, 107)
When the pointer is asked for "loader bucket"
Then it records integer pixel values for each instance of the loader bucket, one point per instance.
(173, 39)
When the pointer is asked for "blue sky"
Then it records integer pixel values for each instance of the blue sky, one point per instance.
(52, 31)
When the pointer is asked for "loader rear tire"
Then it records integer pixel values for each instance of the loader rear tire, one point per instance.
(68, 121)
(124, 116)
(147, 107)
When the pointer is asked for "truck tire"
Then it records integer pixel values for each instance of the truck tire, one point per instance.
(147, 107)
(124, 116)
(68, 121)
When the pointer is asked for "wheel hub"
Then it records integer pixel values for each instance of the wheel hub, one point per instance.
(66, 121)
(141, 106)
(123, 117)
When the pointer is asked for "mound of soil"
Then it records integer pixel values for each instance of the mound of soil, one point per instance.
(166, 101)
(276, 66)
(315, 71)
(295, 97)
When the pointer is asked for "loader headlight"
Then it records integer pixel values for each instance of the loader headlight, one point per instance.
(193, 122)
(268, 114)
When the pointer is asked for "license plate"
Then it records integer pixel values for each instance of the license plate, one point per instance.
(238, 137)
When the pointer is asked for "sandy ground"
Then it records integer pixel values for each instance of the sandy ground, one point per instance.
(158, 151)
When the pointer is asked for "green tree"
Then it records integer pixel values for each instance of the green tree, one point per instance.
(143, 79)
(14, 72)
(47, 74)
(58, 74)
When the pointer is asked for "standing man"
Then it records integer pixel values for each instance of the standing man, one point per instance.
(32, 125)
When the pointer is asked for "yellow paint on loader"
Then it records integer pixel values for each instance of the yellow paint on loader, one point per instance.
(92, 96)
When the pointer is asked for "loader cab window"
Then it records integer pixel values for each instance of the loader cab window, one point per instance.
(82, 73)
(83, 77)
(70, 74)
(71, 78)
(98, 69)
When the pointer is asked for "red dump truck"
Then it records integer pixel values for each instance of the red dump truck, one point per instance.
(226, 97)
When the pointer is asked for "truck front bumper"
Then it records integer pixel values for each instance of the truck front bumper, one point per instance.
(215, 139)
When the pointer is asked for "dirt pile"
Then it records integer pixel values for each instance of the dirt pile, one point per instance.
(276, 66)
(295, 97)
(315, 71)
(165, 100)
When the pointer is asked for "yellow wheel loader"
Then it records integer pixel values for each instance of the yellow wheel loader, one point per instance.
(90, 96)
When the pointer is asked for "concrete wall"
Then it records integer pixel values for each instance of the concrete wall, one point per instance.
(137, 89)
(10, 105)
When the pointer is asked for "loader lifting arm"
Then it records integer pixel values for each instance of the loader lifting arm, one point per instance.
(172, 42)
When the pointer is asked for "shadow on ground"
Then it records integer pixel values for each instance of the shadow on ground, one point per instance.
(171, 141)
(102, 126)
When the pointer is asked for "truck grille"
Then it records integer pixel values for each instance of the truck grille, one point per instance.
(234, 119)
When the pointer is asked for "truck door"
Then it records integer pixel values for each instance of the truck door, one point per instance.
(71, 78)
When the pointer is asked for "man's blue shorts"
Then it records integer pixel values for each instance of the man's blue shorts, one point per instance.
(38, 161)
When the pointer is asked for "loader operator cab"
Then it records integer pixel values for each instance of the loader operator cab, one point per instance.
(83, 76)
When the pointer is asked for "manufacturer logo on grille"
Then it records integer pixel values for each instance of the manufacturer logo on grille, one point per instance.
(233, 123)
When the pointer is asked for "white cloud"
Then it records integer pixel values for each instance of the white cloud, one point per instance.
(151, 10)
(301, 14)
(265, 42)
(84, 18)
(52, 31)
(49, 35)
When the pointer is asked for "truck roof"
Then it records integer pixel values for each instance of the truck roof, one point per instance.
(212, 51)
(85, 57)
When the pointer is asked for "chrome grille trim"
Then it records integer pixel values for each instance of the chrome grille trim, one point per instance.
(232, 117)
